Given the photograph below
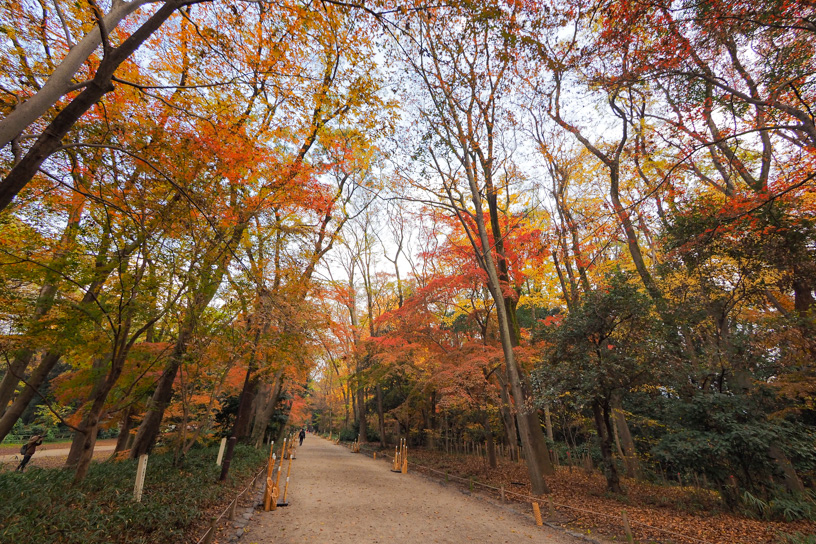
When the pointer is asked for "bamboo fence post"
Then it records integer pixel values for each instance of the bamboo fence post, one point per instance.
(270, 485)
(286, 487)
(405, 461)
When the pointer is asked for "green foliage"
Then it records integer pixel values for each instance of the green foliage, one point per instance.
(728, 438)
(43, 506)
(797, 538)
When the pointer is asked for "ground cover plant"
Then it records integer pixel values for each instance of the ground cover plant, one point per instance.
(42, 505)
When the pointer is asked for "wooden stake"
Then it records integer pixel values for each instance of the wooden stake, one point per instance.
(221, 451)
(211, 533)
(405, 462)
(537, 514)
(141, 471)
(502, 494)
(551, 507)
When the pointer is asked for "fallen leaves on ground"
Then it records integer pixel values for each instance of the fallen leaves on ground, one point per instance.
(690, 514)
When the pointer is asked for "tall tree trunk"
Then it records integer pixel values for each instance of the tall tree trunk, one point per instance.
(37, 378)
(627, 444)
(491, 445)
(124, 430)
(361, 415)
(262, 421)
(604, 427)
(380, 416)
(507, 416)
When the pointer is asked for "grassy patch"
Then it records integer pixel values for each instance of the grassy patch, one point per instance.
(42, 505)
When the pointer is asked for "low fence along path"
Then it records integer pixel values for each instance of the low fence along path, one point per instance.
(339, 497)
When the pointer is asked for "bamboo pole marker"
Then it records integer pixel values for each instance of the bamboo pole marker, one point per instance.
(270, 485)
(141, 470)
(405, 461)
(221, 451)
(375, 455)
(537, 514)
(626, 528)
(273, 502)
(286, 486)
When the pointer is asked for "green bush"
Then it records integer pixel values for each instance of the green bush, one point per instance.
(43, 506)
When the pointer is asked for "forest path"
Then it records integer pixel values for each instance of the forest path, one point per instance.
(338, 497)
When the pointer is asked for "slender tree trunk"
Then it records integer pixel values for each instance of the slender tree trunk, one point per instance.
(37, 378)
(361, 415)
(627, 444)
(381, 416)
(124, 430)
(604, 428)
(491, 445)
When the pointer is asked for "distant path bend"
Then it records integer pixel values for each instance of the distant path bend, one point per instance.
(337, 497)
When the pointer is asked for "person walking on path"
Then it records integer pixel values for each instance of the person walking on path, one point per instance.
(28, 451)
(302, 435)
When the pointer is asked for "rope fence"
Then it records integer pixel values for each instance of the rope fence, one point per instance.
(502, 493)
(229, 511)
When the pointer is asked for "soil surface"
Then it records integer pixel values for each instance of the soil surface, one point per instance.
(339, 497)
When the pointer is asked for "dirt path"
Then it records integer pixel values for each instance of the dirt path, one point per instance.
(337, 497)
(53, 455)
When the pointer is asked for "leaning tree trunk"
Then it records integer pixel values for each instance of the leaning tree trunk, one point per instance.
(37, 378)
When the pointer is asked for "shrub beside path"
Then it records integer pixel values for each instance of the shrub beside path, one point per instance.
(337, 497)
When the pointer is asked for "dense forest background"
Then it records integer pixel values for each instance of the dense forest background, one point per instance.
(545, 226)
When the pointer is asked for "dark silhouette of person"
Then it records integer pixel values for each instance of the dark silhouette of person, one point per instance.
(30, 448)
(302, 435)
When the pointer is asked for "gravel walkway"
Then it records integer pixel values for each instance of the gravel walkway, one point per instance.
(338, 497)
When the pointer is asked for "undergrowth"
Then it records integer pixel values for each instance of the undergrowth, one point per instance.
(43, 506)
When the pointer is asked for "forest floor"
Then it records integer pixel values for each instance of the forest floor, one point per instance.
(342, 498)
(657, 513)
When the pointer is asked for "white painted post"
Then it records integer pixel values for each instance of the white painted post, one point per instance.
(221, 451)
(141, 470)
